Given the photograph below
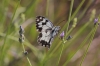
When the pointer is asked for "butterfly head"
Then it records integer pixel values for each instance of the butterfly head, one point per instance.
(57, 28)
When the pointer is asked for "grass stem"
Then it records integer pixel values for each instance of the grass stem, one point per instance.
(3, 47)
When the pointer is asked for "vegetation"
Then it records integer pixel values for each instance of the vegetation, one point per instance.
(77, 43)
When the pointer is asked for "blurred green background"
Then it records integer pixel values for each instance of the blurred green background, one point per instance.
(57, 11)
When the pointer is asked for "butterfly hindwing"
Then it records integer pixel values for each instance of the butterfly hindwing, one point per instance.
(44, 39)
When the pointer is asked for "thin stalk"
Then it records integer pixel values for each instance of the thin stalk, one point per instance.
(72, 1)
(76, 11)
(35, 50)
(67, 26)
(84, 11)
(79, 31)
(60, 53)
(3, 8)
(47, 8)
(82, 44)
(27, 56)
(2, 48)
(82, 29)
(89, 45)
(78, 8)
(49, 54)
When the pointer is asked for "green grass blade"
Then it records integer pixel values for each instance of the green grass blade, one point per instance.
(3, 47)
(93, 33)
(71, 7)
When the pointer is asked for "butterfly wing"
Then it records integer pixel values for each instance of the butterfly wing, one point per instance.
(47, 31)
(45, 39)
(43, 24)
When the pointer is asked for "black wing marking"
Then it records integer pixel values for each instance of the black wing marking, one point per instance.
(43, 24)
(45, 39)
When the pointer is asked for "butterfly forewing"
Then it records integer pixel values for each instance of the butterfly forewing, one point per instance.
(43, 24)
(46, 31)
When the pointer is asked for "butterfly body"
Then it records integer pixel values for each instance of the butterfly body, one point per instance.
(46, 30)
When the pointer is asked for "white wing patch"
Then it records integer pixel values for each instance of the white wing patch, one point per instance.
(46, 31)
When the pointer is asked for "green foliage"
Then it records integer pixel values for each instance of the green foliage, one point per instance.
(14, 14)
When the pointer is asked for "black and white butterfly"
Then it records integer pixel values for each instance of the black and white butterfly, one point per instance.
(46, 30)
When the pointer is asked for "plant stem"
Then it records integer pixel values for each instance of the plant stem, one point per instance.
(47, 8)
(27, 56)
(82, 44)
(60, 53)
(2, 48)
(89, 44)
(67, 26)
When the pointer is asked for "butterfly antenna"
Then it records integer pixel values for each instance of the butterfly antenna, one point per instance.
(61, 22)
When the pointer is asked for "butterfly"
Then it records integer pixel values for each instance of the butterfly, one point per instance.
(47, 31)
